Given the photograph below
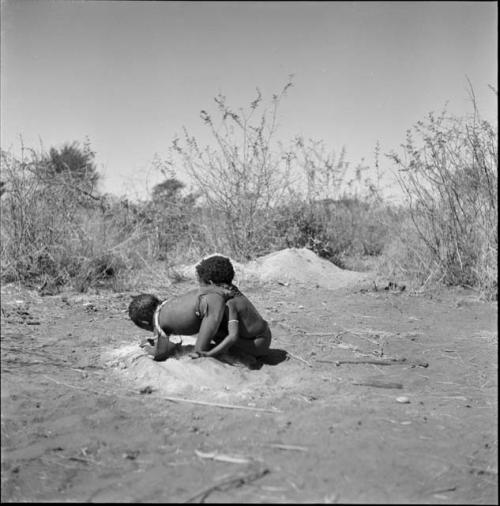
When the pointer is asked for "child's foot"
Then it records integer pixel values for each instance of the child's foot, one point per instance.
(245, 359)
(227, 358)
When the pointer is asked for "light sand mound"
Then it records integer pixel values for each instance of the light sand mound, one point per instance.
(205, 378)
(292, 265)
(301, 265)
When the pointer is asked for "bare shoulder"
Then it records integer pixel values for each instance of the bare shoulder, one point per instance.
(240, 301)
(214, 299)
(212, 302)
(232, 303)
(191, 293)
(186, 298)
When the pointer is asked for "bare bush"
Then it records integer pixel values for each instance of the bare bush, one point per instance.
(331, 217)
(449, 176)
(173, 218)
(324, 171)
(243, 178)
(335, 229)
(55, 232)
(35, 220)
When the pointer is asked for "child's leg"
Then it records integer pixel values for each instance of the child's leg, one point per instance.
(255, 347)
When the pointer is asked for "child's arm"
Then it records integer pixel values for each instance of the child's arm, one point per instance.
(211, 322)
(157, 346)
(162, 350)
(232, 335)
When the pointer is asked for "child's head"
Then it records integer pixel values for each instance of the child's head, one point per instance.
(215, 269)
(142, 309)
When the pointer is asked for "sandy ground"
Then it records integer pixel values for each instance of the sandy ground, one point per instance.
(86, 417)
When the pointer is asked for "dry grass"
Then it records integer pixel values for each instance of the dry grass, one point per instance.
(247, 203)
(449, 173)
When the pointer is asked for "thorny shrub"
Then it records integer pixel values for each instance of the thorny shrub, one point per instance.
(335, 229)
(449, 174)
(242, 178)
(53, 231)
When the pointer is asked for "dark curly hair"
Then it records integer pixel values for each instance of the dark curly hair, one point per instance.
(142, 309)
(215, 268)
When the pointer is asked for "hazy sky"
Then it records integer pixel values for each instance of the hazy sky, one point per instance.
(129, 75)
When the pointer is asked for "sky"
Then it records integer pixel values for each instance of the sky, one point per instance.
(129, 75)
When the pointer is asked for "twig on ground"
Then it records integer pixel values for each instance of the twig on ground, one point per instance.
(172, 399)
(289, 447)
(392, 361)
(303, 397)
(232, 482)
(379, 384)
(85, 461)
(299, 358)
(321, 334)
(219, 405)
(442, 490)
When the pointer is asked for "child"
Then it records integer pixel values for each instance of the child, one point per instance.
(217, 311)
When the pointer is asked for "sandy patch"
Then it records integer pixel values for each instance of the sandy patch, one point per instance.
(206, 378)
(75, 431)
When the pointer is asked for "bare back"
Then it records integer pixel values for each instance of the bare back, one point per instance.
(184, 314)
(251, 323)
(196, 312)
(178, 316)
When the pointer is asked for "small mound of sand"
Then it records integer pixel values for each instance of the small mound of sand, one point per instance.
(292, 265)
(182, 375)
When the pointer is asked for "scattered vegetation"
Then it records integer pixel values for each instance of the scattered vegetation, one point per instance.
(253, 194)
(449, 174)
(55, 229)
(243, 178)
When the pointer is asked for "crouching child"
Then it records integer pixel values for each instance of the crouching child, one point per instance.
(217, 311)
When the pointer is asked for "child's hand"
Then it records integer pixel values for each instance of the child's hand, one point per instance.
(147, 341)
(150, 350)
(198, 354)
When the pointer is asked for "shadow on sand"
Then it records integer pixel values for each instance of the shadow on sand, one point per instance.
(274, 356)
(237, 357)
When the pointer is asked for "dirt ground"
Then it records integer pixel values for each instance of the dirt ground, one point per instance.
(77, 427)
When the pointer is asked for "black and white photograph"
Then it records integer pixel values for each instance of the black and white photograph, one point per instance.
(249, 251)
